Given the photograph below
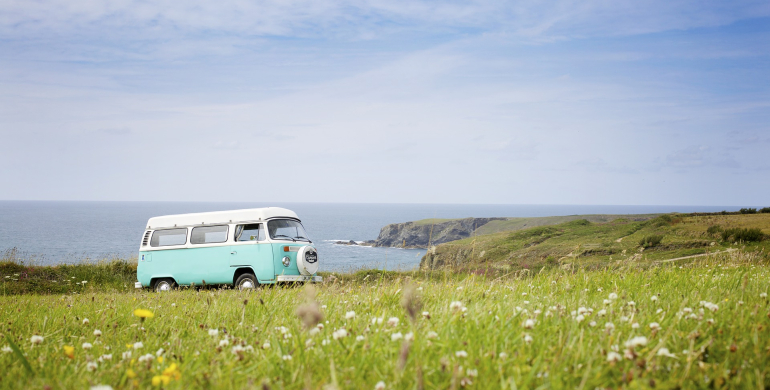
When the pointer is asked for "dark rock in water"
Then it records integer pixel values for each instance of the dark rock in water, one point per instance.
(420, 235)
(351, 242)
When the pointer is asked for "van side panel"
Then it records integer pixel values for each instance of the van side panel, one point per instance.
(188, 265)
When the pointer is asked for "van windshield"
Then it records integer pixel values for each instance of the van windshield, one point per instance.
(287, 229)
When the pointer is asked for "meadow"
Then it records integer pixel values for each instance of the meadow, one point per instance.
(700, 323)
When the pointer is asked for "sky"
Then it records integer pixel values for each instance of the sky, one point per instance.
(643, 102)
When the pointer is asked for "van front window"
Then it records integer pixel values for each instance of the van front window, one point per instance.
(287, 229)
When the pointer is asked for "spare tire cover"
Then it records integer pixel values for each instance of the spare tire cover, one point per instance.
(307, 260)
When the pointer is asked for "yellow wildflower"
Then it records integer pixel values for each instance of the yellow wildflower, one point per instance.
(172, 372)
(69, 351)
(130, 373)
(160, 359)
(158, 379)
(143, 313)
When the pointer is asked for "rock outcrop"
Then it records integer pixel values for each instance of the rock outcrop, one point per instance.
(420, 234)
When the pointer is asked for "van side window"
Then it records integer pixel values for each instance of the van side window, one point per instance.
(251, 232)
(208, 234)
(169, 237)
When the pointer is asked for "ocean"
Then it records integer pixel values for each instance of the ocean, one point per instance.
(56, 232)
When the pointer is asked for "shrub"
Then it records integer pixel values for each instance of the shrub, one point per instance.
(748, 211)
(651, 240)
(714, 230)
(745, 235)
(764, 210)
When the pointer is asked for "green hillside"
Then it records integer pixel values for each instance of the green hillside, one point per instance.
(586, 243)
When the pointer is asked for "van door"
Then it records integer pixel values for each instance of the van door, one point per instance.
(251, 249)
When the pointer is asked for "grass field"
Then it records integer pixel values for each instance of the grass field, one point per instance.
(704, 324)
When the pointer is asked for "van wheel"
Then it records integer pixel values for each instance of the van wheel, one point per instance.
(246, 282)
(165, 284)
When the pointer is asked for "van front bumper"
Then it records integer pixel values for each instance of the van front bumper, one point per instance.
(298, 278)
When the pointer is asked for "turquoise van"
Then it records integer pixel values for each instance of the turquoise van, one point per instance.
(242, 248)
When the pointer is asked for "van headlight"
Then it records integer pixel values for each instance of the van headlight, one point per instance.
(286, 261)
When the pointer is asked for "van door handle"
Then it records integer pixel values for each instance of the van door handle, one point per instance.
(233, 253)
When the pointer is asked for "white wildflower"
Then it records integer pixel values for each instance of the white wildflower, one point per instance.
(455, 306)
(87, 346)
(461, 354)
(350, 315)
(138, 345)
(607, 302)
(213, 332)
(654, 326)
(763, 295)
(339, 333)
(529, 324)
(613, 296)
(266, 345)
(86, 321)
(579, 318)
(426, 314)
(654, 298)
(431, 335)
(665, 352)
(601, 313)
(592, 324)
(636, 342)
(105, 357)
(609, 326)
(472, 373)
(91, 366)
(528, 339)
(36, 339)
(6, 349)
(359, 338)
(503, 355)
(97, 332)
(631, 303)
(224, 343)
(286, 357)
(146, 358)
(101, 387)
(635, 325)
(409, 336)
(396, 336)
(614, 356)
(314, 331)
(160, 352)
(379, 386)
(393, 321)
(126, 355)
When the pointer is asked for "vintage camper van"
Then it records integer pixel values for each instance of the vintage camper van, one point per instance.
(243, 248)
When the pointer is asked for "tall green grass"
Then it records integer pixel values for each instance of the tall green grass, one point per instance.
(522, 331)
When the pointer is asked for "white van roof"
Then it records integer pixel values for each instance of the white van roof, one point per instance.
(217, 217)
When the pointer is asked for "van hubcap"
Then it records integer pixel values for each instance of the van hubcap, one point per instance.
(247, 284)
(164, 286)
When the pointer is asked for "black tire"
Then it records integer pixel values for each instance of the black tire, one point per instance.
(164, 284)
(246, 281)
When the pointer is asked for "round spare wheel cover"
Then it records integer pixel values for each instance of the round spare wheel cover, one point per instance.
(307, 260)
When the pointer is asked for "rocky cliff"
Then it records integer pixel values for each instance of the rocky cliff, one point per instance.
(420, 234)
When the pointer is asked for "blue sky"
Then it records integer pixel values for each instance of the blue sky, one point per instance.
(559, 102)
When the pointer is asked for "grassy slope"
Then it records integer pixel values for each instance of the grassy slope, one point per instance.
(588, 243)
(512, 224)
(563, 352)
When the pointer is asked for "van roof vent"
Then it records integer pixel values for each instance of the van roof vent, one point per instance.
(146, 238)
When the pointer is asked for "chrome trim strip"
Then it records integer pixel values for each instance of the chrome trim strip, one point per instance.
(299, 278)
